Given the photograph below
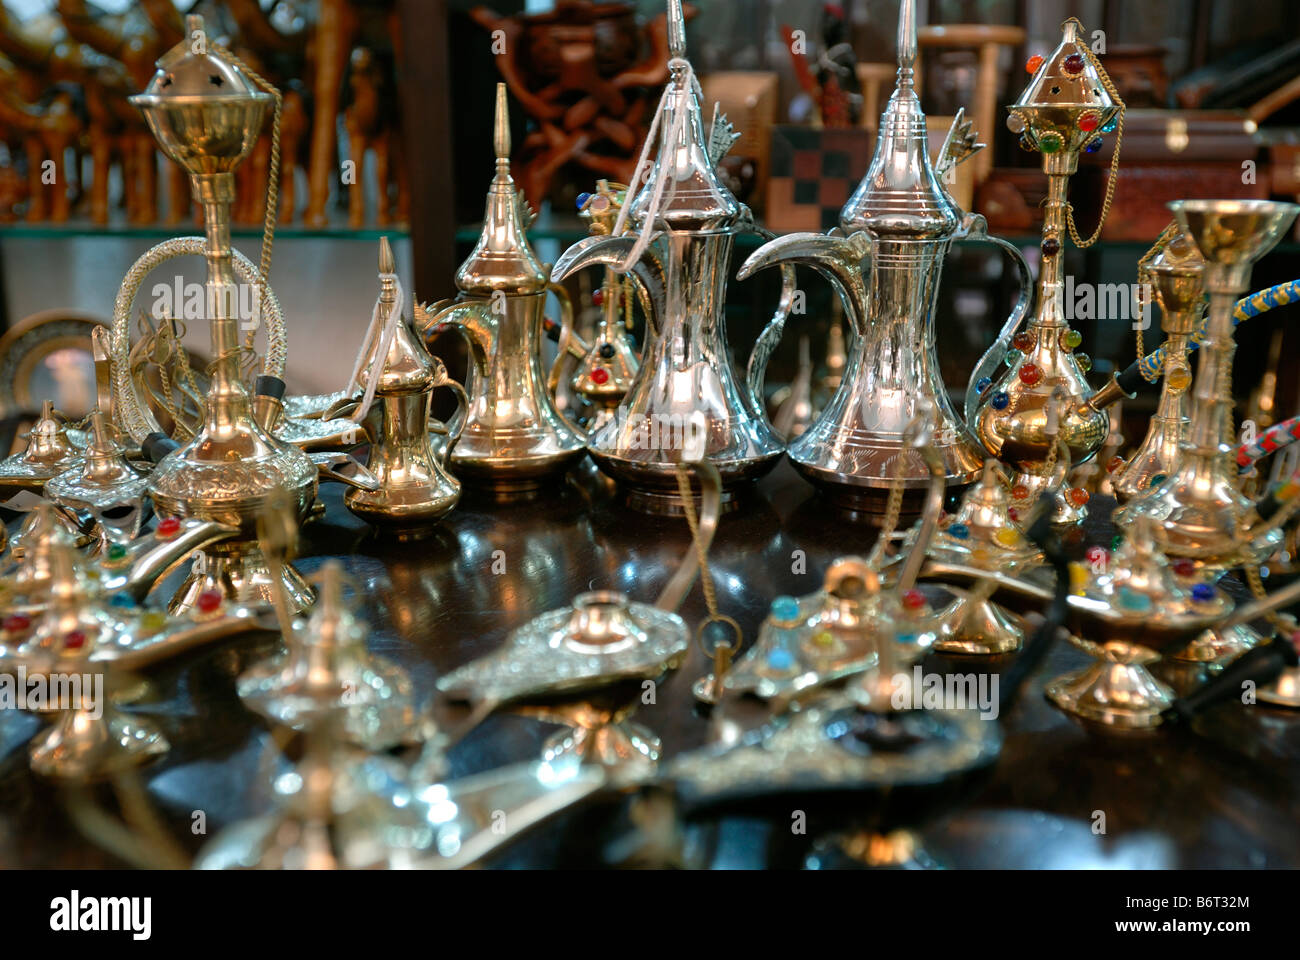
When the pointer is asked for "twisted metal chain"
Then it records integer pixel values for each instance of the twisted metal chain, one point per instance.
(692, 520)
(1144, 273)
(1114, 160)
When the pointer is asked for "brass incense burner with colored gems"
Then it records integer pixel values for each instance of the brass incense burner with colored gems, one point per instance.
(512, 437)
(1176, 274)
(1066, 108)
(207, 115)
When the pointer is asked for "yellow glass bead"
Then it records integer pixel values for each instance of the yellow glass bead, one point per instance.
(1007, 537)
(824, 638)
(1080, 576)
(152, 621)
(1179, 377)
(981, 557)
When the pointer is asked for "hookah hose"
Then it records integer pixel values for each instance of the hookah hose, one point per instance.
(1275, 438)
(1258, 666)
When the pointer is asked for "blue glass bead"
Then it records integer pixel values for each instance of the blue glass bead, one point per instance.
(1202, 593)
(1158, 479)
(959, 530)
(780, 659)
(906, 638)
(716, 634)
(785, 609)
(583, 199)
(1093, 145)
(1109, 127)
(1132, 600)
(1000, 400)
(122, 600)
(983, 383)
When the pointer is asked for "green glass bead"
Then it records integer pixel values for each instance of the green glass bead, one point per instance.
(1072, 338)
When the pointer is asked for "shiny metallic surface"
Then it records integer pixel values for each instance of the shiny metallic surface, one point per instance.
(512, 436)
(106, 487)
(1198, 509)
(226, 472)
(49, 452)
(1179, 289)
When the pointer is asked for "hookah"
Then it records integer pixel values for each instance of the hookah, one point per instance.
(684, 222)
(512, 437)
(206, 114)
(1201, 516)
(1067, 107)
(412, 487)
(902, 220)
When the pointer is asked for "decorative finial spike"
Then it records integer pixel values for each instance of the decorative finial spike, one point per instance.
(501, 128)
(387, 263)
(676, 30)
(906, 36)
(47, 410)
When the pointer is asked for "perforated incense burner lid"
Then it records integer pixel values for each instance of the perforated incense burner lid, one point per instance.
(202, 109)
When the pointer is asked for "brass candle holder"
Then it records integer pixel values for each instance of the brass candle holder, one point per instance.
(206, 115)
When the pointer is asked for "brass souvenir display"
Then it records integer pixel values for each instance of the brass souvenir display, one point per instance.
(1067, 108)
(683, 223)
(49, 452)
(412, 487)
(512, 436)
(207, 114)
(903, 221)
(106, 488)
(1199, 510)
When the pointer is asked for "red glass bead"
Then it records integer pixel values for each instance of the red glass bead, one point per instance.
(1030, 374)
(1097, 555)
(1051, 247)
(1114, 464)
(15, 623)
(1089, 122)
(1073, 64)
(209, 601)
(1024, 341)
(1020, 492)
(1014, 514)
(168, 527)
(600, 376)
(913, 600)
(75, 640)
(597, 297)
(1184, 567)
(1079, 496)
(1033, 63)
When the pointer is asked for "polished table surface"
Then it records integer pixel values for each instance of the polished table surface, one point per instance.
(1225, 793)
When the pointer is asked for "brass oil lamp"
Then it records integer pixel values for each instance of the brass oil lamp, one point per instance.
(1066, 109)
(413, 488)
(49, 452)
(206, 114)
(1176, 275)
(902, 220)
(1200, 513)
(512, 437)
(106, 488)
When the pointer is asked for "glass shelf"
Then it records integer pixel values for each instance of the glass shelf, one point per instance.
(84, 229)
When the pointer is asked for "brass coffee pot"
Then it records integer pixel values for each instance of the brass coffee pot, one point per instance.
(413, 488)
(512, 436)
(1066, 108)
(206, 114)
(902, 220)
(684, 222)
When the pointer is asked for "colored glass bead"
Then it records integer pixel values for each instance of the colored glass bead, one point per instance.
(959, 530)
(1051, 247)
(1109, 126)
(1050, 142)
(1033, 64)
(981, 557)
(785, 609)
(1084, 361)
(607, 351)
(15, 623)
(1016, 123)
(209, 601)
(1079, 496)
(621, 197)
(983, 384)
(600, 376)
(1114, 463)
(1020, 492)
(716, 634)
(824, 638)
(780, 659)
(1071, 339)
(1079, 578)
(597, 297)
(168, 527)
(1030, 374)
(1097, 555)
(1116, 541)
(1202, 593)
(583, 199)
(1089, 121)
(1073, 64)
(1000, 400)
(1184, 567)
(1014, 514)
(914, 600)
(74, 640)
(1024, 341)
(153, 621)
(599, 203)
(1008, 537)
(1093, 145)
(1130, 599)
(1158, 479)
(116, 551)
(1178, 377)
(123, 601)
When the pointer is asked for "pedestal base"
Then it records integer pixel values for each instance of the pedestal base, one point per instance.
(978, 627)
(81, 746)
(1117, 692)
(240, 573)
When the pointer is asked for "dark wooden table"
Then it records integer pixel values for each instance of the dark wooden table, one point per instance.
(1223, 794)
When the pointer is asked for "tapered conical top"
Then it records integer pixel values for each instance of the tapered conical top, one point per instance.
(1232, 234)
(503, 260)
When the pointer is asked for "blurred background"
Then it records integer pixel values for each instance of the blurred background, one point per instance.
(387, 131)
